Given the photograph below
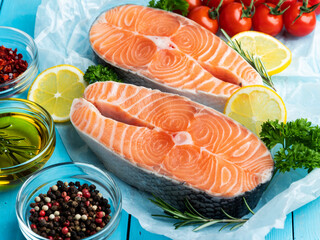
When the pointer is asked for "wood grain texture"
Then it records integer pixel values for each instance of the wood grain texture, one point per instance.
(138, 233)
(306, 221)
(20, 14)
(282, 234)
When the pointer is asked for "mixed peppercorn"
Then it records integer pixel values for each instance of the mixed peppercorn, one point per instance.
(69, 211)
(11, 64)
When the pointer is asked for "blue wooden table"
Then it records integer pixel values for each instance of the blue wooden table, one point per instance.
(302, 224)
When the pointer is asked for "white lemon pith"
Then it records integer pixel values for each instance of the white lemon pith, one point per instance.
(253, 105)
(55, 88)
(275, 55)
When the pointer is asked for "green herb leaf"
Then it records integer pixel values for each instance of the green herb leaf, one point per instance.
(300, 144)
(100, 73)
(254, 61)
(171, 5)
(192, 217)
(9, 147)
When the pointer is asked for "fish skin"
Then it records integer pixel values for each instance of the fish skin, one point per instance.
(172, 191)
(214, 100)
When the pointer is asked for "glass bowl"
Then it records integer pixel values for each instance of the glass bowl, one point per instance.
(66, 172)
(35, 121)
(15, 38)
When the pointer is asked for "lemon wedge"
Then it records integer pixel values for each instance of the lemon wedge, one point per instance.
(255, 104)
(55, 88)
(275, 55)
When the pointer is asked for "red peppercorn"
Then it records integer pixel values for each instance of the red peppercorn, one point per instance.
(67, 198)
(65, 230)
(42, 213)
(40, 218)
(49, 205)
(46, 218)
(67, 239)
(93, 232)
(86, 194)
(66, 223)
(100, 214)
(33, 226)
(32, 211)
(87, 203)
(85, 190)
(50, 238)
(11, 64)
(63, 194)
(98, 220)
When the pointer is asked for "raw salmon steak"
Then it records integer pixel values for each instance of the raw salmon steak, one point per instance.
(164, 50)
(173, 147)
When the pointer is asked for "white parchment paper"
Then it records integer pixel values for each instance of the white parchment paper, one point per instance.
(61, 33)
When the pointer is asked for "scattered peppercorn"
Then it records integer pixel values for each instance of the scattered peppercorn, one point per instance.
(11, 64)
(69, 211)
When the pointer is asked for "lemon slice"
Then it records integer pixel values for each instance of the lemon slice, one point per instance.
(275, 55)
(255, 104)
(55, 88)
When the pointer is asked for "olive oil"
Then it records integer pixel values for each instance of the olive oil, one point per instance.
(31, 136)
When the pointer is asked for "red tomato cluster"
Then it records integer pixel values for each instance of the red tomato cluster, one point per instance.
(267, 16)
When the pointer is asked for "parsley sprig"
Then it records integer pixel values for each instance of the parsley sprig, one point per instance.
(171, 5)
(300, 144)
(100, 73)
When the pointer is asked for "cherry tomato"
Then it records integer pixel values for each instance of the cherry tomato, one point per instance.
(215, 3)
(264, 21)
(313, 2)
(248, 2)
(193, 4)
(231, 21)
(284, 5)
(303, 25)
(201, 15)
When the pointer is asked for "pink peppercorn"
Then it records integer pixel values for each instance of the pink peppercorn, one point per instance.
(100, 214)
(66, 198)
(42, 213)
(32, 210)
(33, 226)
(63, 194)
(86, 194)
(65, 230)
(66, 223)
(99, 220)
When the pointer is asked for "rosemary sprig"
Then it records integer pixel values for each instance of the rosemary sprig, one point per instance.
(192, 217)
(254, 61)
(9, 147)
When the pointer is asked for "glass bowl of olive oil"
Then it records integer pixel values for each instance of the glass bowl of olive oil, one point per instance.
(27, 140)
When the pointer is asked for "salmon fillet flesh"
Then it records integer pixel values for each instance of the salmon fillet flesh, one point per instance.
(173, 147)
(164, 50)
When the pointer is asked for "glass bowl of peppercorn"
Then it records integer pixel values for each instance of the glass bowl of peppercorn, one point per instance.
(18, 61)
(69, 201)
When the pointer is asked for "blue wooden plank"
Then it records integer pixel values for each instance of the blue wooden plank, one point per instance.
(283, 234)
(306, 221)
(138, 233)
(1, 5)
(20, 14)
